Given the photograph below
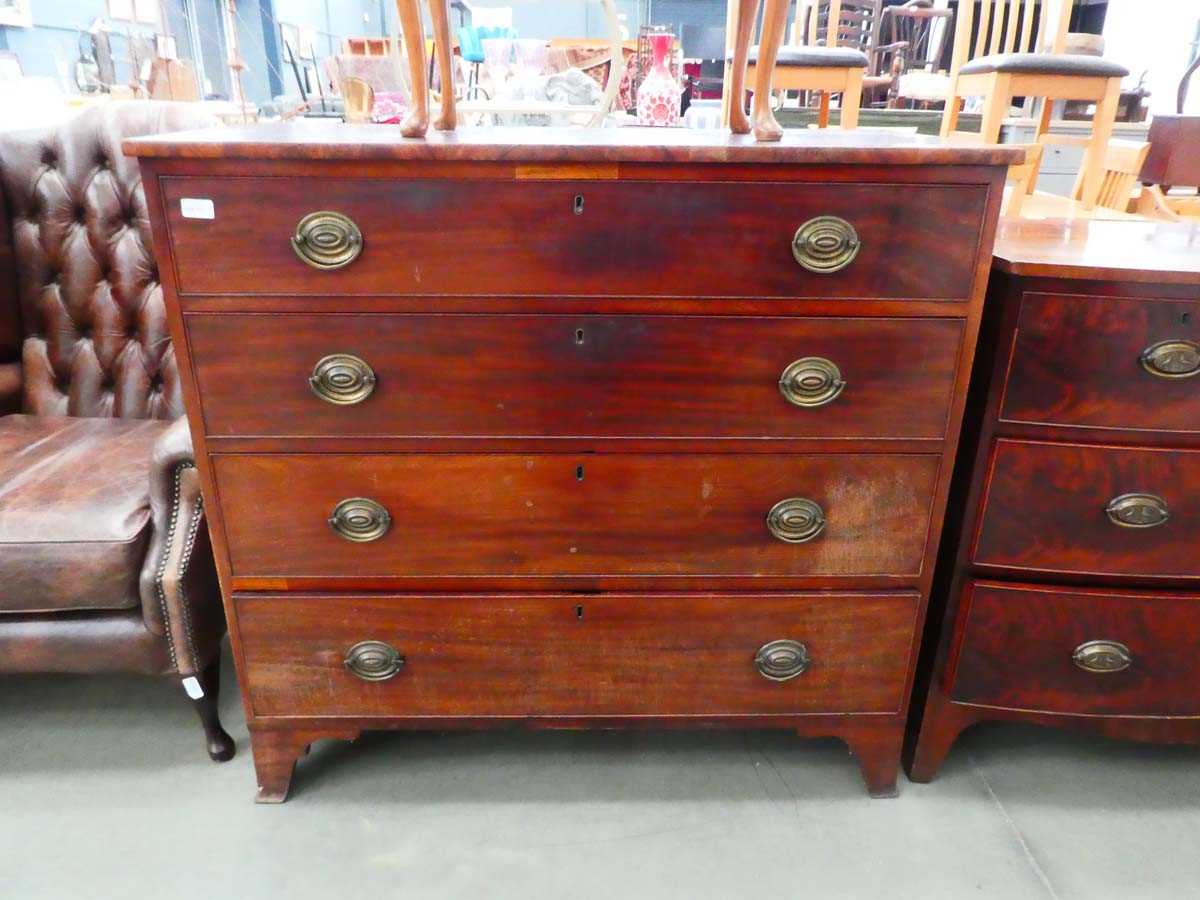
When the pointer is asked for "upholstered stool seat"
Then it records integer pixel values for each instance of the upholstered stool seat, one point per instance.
(816, 57)
(1045, 64)
(74, 511)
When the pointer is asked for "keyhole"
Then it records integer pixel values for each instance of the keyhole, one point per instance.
(579, 613)
(579, 335)
(1183, 320)
(578, 206)
(579, 473)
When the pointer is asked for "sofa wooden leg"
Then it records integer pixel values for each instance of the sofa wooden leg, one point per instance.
(220, 744)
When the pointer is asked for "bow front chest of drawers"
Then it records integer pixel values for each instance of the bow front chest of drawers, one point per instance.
(1068, 590)
(572, 428)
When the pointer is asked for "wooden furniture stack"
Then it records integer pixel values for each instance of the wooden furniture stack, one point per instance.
(573, 429)
(1070, 565)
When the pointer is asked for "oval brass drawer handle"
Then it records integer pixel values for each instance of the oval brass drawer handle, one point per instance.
(327, 240)
(811, 382)
(796, 520)
(342, 379)
(781, 660)
(825, 244)
(1172, 359)
(374, 660)
(1102, 657)
(1137, 510)
(360, 519)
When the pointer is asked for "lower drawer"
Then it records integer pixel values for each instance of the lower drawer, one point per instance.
(575, 655)
(1087, 652)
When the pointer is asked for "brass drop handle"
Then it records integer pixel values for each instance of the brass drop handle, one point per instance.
(781, 660)
(359, 519)
(796, 520)
(327, 240)
(342, 379)
(374, 661)
(1137, 510)
(1172, 359)
(811, 382)
(825, 245)
(1102, 657)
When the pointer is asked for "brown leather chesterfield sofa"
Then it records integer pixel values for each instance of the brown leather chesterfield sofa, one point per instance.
(105, 564)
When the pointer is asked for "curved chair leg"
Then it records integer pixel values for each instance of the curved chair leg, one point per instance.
(220, 744)
(765, 127)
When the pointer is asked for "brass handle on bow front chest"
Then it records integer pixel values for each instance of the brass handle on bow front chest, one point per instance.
(1102, 657)
(1171, 359)
(327, 240)
(360, 520)
(825, 245)
(811, 382)
(342, 379)
(1137, 510)
(796, 520)
(374, 660)
(781, 660)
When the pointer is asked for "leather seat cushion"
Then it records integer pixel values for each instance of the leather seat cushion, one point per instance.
(817, 57)
(1045, 64)
(74, 511)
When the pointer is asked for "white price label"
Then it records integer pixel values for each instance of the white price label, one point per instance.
(197, 208)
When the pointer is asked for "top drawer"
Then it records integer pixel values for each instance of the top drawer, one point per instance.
(1105, 362)
(562, 238)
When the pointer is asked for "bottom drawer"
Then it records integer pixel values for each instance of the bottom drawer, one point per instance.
(1081, 651)
(575, 655)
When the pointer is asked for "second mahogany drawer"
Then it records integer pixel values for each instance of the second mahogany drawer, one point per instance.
(1078, 651)
(1105, 362)
(575, 515)
(568, 655)
(1091, 510)
(566, 376)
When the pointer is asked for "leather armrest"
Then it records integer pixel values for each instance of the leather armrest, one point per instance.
(178, 585)
(10, 388)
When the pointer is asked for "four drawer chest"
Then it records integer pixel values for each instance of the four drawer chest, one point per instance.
(1068, 590)
(568, 428)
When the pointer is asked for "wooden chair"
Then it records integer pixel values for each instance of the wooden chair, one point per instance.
(905, 61)
(1003, 63)
(1119, 176)
(827, 69)
(359, 98)
(1023, 177)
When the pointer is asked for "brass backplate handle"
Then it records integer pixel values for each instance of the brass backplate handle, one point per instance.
(1172, 359)
(1137, 510)
(360, 520)
(811, 382)
(1102, 657)
(825, 245)
(342, 379)
(327, 240)
(796, 520)
(781, 660)
(374, 660)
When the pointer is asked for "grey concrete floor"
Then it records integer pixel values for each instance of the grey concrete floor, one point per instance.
(105, 792)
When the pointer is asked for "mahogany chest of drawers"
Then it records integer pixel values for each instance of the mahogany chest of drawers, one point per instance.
(572, 428)
(1068, 589)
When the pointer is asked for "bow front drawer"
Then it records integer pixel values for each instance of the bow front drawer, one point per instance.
(1078, 651)
(563, 655)
(312, 236)
(581, 517)
(1105, 362)
(573, 376)
(1084, 510)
